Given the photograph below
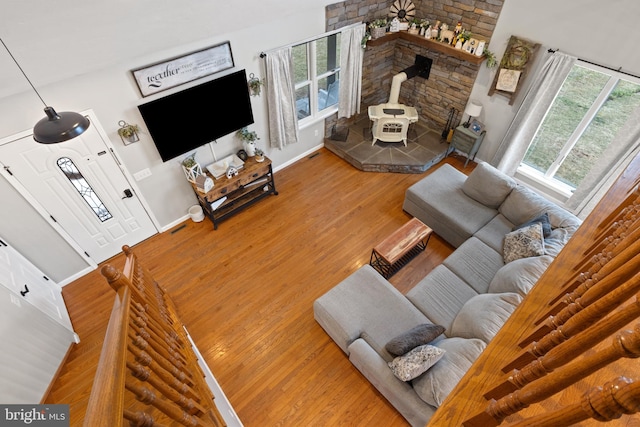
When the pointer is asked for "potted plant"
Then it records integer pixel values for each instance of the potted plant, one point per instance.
(259, 155)
(255, 85)
(414, 26)
(248, 139)
(128, 133)
(378, 27)
(191, 168)
(491, 58)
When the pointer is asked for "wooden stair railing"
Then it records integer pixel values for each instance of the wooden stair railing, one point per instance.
(624, 344)
(148, 373)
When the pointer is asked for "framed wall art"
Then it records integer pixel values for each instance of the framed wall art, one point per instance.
(164, 75)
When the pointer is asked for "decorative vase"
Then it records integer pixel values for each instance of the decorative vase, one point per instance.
(250, 148)
(378, 32)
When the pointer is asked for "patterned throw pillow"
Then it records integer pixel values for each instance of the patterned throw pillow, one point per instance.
(416, 362)
(523, 243)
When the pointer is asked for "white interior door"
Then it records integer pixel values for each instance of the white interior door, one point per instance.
(31, 285)
(80, 184)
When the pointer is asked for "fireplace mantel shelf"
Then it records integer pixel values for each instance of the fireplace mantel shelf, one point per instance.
(429, 44)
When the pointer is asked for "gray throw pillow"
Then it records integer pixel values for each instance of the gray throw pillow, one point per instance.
(542, 219)
(419, 335)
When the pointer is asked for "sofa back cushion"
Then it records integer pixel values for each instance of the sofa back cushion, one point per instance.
(488, 185)
(483, 315)
(523, 204)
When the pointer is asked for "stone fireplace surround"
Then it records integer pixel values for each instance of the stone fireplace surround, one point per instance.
(451, 79)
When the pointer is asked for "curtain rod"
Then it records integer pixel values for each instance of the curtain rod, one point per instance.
(619, 69)
(310, 39)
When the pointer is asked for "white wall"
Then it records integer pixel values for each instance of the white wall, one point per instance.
(93, 72)
(604, 32)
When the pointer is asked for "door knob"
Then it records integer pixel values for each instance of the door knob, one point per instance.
(25, 292)
(127, 194)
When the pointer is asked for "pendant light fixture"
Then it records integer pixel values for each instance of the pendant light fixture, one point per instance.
(56, 127)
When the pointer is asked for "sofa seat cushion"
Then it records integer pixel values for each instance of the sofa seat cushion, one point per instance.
(435, 385)
(488, 185)
(440, 295)
(365, 302)
(439, 202)
(476, 263)
(493, 233)
(483, 315)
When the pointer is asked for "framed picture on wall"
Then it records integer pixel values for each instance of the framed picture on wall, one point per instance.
(163, 75)
(476, 127)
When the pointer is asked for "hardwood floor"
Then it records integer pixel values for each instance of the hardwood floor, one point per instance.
(245, 292)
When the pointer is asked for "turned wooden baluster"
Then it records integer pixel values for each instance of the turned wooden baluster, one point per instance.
(175, 367)
(151, 331)
(632, 198)
(177, 380)
(162, 328)
(578, 319)
(149, 397)
(140, 419)
(160, 347)
(607, 286)
(143, 374)
(591, 263)
(568, 350)
(621, 254)
(607, 403)
(625, 344)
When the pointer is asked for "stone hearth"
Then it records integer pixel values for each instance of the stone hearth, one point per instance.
(424, 149)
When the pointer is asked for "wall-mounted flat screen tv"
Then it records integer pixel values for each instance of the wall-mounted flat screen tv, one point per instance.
(188, 119)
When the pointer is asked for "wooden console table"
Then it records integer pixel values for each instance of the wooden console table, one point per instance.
(230, 195)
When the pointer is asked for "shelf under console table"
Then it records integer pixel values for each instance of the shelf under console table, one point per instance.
(231, 195)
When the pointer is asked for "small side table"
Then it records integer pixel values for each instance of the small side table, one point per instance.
(400, 247)
(466, 141)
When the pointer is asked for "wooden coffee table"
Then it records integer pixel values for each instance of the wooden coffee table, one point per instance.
(400, 247)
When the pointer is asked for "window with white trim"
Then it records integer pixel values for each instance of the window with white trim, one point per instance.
(591, 107)
(316, 74)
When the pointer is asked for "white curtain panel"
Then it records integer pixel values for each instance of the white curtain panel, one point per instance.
(535, 105)
(351, 54)
(281, 98)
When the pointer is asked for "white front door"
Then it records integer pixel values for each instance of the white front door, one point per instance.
(79, 183)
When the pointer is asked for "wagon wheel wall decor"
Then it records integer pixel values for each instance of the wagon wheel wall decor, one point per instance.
(404, 10)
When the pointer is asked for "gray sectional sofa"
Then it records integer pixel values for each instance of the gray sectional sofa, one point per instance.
(470, 294)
